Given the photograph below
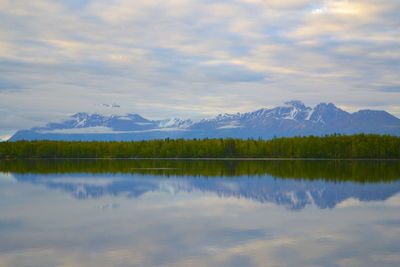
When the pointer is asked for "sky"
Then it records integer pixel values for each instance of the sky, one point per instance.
(193, 58)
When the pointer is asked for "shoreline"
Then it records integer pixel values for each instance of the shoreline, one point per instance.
(215, 159)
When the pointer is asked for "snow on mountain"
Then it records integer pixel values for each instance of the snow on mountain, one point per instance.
(328, 113)
(175, 123)
(291, 119)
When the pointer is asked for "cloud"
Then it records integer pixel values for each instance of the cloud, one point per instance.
(285, 5)
(390, 88)
(348, 21)
(169, 58)
(6, 85)
(105, 130)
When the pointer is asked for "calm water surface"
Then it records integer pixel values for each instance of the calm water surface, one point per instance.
(199, 213)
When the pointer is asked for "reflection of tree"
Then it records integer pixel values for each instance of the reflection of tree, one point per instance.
(359, 171)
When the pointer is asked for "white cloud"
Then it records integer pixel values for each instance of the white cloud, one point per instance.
(169, 58)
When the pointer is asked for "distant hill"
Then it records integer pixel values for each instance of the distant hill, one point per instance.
(291, 119)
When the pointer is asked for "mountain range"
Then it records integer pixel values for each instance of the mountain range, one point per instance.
(291, 119)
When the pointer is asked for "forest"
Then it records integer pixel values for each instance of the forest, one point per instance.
(360, 146)
(361, 171)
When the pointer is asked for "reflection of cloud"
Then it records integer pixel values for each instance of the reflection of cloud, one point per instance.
(82, 181)
(394, 201)
(193, 229)
(6, 177)
(351, 202)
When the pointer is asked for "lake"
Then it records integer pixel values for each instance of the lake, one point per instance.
(199, 213)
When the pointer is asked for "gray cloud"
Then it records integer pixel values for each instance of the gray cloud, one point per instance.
(194, 58)
(6, 85)
(390, 88)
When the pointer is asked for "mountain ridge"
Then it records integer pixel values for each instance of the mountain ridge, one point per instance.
(291, 119)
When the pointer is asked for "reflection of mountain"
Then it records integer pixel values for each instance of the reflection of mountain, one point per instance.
(292, 193)
(294, 184)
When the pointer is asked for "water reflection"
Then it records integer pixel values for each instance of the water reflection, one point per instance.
(291, 193)
(131, 214)
(334, 170)
(293, 184)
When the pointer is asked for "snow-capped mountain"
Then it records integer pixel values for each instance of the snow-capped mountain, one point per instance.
(291, 119)
(175, 123)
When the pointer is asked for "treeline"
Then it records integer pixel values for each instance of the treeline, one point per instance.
(332, 170)
(332, 146)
